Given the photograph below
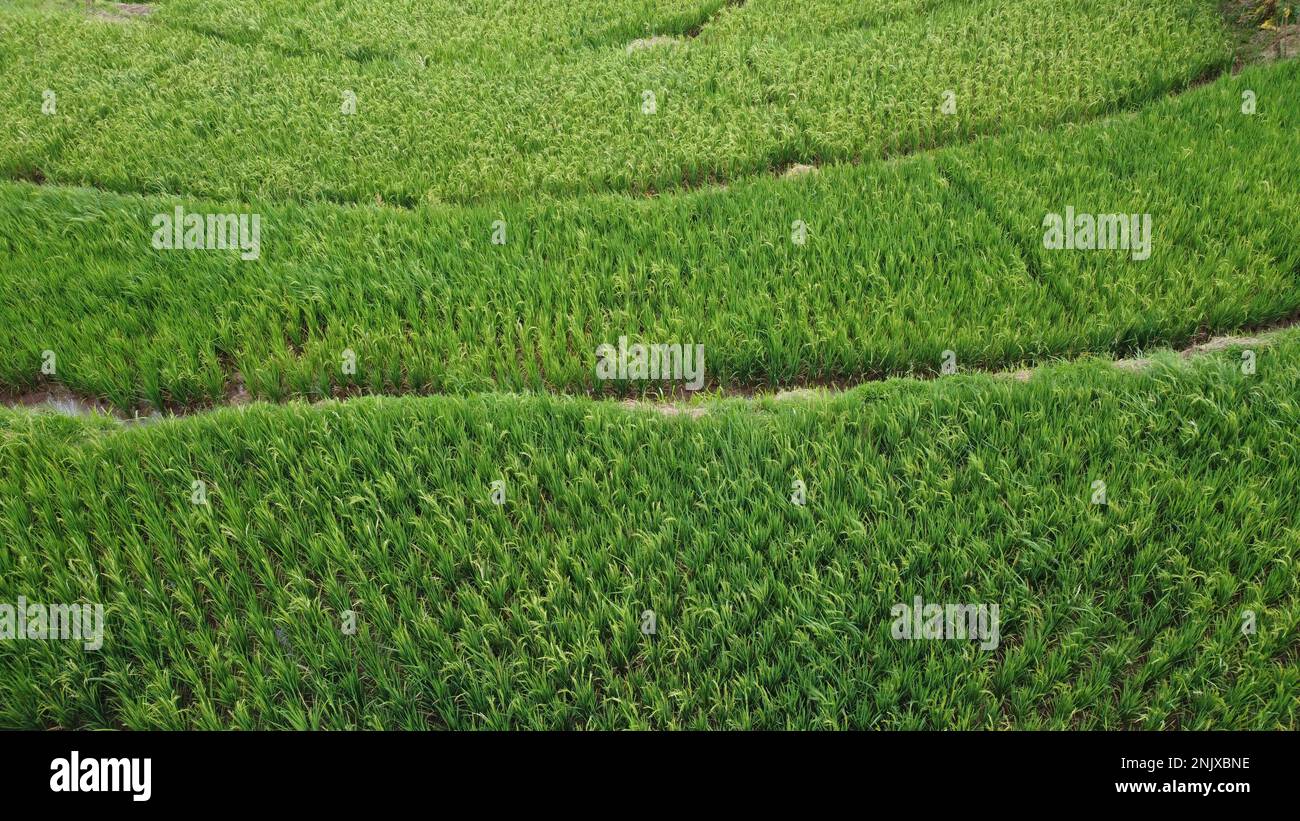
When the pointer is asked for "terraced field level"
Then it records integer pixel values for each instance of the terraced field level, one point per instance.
(649, 364)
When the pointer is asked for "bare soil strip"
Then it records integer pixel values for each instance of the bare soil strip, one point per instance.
(57, 398)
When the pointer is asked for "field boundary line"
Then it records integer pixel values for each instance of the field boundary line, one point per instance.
(57, 398)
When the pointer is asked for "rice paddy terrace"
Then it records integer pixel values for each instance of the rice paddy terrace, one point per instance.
(630, 363)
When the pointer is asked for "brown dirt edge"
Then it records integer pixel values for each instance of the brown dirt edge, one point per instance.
(119, 12)
(57, 398)
(1262, 31)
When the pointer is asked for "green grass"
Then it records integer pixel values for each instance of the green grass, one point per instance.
(237, 117)
(906, 259)
(967, 489)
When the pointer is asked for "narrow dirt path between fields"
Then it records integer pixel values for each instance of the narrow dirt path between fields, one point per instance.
(59, 399)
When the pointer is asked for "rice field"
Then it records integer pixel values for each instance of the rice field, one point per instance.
(233, 115)
(528, 614)
(903, 260)
(383, 481)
